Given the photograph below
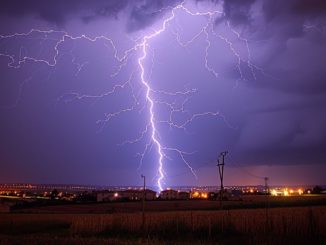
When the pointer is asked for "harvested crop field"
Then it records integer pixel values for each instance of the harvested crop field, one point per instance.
(291, 225)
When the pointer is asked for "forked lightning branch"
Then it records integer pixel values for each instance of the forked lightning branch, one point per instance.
(150, 133)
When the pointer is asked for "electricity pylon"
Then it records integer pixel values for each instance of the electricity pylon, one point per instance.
(220, 165)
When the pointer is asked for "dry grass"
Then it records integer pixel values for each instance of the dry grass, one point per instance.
(299, 224)
(283, 221)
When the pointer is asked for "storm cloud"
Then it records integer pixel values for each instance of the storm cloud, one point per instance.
(273, 116)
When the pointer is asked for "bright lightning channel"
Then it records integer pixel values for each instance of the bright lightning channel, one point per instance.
(154, 136)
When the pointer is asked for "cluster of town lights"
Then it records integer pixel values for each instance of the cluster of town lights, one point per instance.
(198, 194)
(286, 192)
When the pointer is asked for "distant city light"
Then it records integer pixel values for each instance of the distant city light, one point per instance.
(286, 192)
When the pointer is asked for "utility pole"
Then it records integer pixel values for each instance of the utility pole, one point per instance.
(220, 165)
(143, 202)
(267, 202)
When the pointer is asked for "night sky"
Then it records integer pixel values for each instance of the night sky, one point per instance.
(246, 76)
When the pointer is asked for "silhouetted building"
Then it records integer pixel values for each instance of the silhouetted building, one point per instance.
(150, 195)
(169, 194)
(107, 196)
(183, 195)
(134, 195)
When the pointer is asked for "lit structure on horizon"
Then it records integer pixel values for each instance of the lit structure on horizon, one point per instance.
(286, 191)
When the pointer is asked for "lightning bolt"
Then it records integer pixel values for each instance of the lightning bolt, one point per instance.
(143, 45)
(151, 97)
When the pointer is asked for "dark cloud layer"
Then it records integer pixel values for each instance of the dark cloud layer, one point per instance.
(61, 11)
(141, 13)
(303, 8)
(237, 11)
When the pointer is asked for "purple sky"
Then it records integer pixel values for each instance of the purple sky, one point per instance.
(253, 83)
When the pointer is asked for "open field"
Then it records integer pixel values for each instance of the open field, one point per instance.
(286, 225)
(250, 201)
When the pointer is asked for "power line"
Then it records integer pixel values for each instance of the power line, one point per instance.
(239, 167)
